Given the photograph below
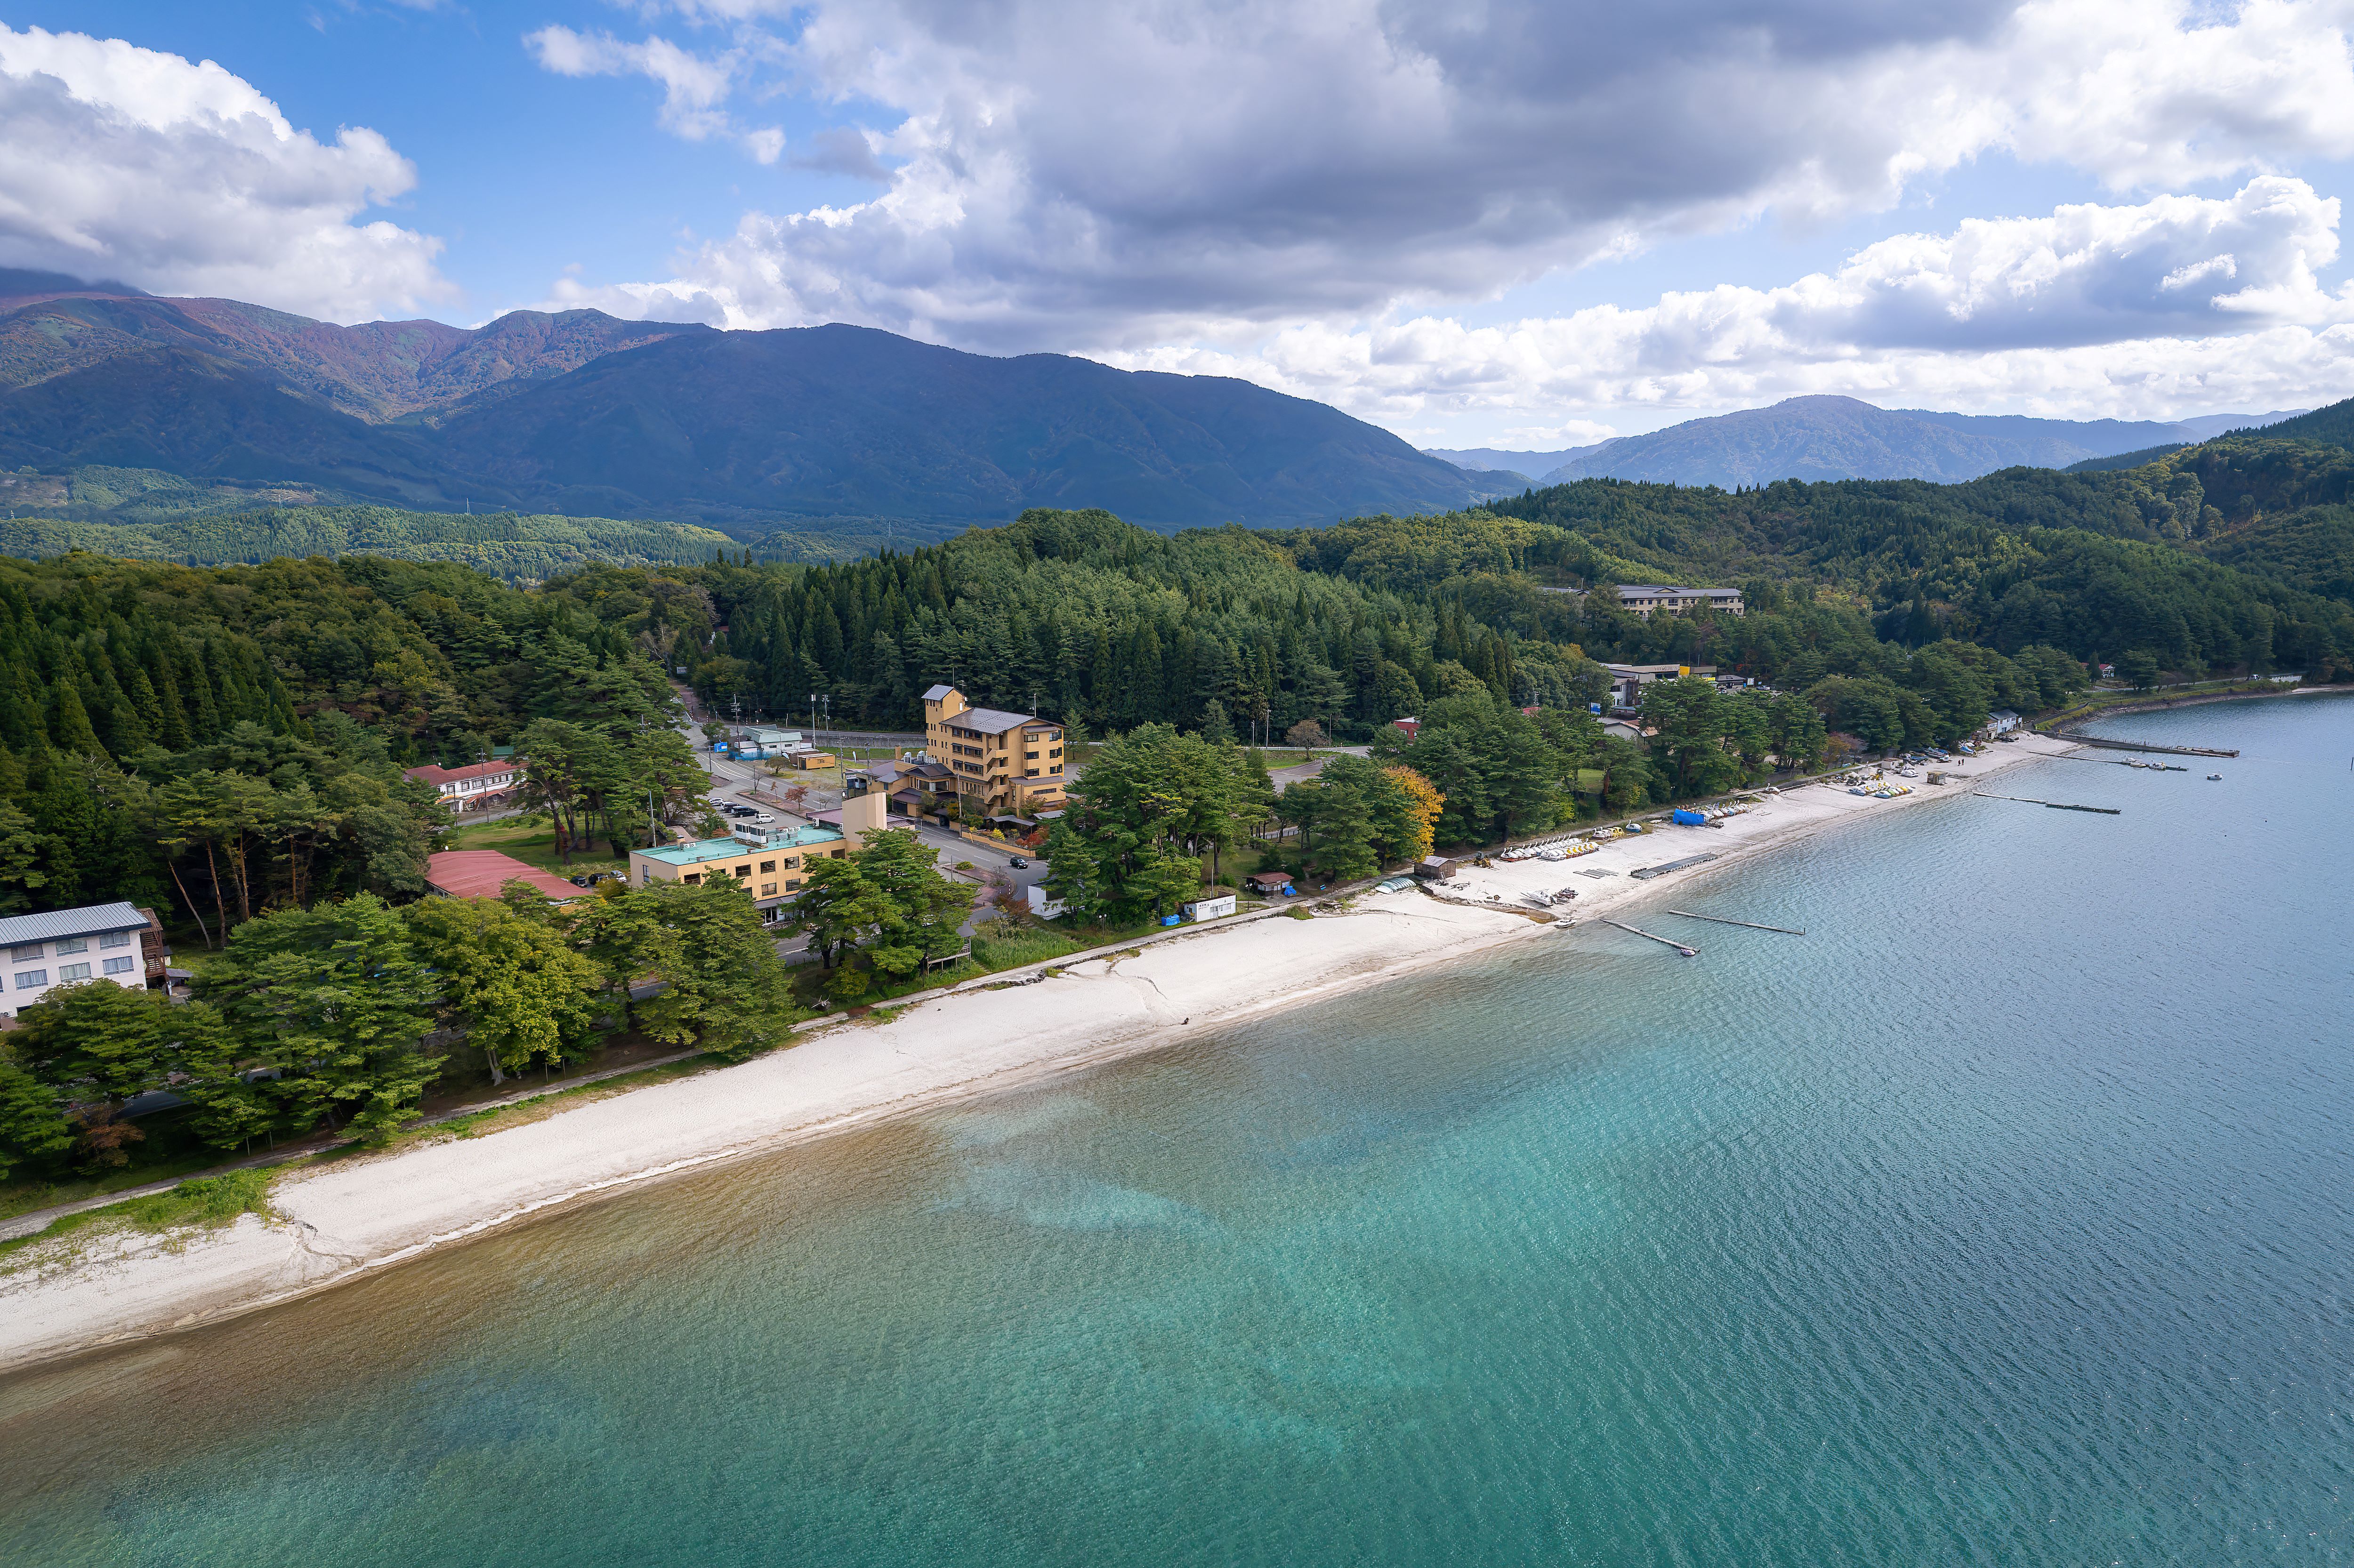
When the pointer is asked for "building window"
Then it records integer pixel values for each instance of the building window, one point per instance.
(1032, 774)
(28, 979)
(792, 884)
(30, 950)
(72, 973)
(118, 966)
(115, 939)
(692, 880)
(768, 890)
(74, 945)
(743, 869)
(767, 866)
(1029, 757)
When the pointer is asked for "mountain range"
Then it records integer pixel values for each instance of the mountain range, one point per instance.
(1821, 438)
(577, 412)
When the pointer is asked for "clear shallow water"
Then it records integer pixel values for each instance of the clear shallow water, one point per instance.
(2003, 1219)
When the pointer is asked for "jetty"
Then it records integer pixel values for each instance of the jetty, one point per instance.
(2054, 805)
(1664, 941)
(2126, 762)
(2144, 746)
(1748, 925)
(1644, 874)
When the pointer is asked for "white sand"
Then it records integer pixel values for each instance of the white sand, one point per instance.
(343, 1220)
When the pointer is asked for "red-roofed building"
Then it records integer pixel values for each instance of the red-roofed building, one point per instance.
(479, 873)
(472, 786)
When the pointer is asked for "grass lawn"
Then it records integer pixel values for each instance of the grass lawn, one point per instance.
(1017, 946)
(22, 1197)
(534, 844)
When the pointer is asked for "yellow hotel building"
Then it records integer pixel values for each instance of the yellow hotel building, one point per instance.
(1006, 765)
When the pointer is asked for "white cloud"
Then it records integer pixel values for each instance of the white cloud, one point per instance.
(2177, 305)
(1073, 174)
(694, 87)
(179, 177)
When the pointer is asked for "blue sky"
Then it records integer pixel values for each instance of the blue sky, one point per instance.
(1524, 225)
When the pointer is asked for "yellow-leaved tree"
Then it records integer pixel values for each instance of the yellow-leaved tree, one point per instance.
(1423, 802)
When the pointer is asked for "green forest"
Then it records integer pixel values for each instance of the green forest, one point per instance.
(510, 545)
(217, 741)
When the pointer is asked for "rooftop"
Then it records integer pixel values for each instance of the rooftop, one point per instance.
(1625, 588)
(90, 920)
(433, 773)
(480, 874)
(703, 850)
(936, 692)
(991, 721)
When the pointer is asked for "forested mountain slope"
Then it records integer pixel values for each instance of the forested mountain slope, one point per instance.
(502, 544)
(230, 738)
(838, 428)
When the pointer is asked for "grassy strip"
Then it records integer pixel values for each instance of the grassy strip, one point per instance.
(24, 1197)
(205, 1205)
(539, 1108)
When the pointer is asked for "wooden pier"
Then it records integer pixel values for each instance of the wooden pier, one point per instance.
(1664, 941)
(1748, 925)
(2128, 762)
(2054, 805)
(2140, 746)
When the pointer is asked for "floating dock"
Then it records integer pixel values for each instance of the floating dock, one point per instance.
(1749, 924)
(1648, 872)
(2128, 762)
(2054, 805)
(1663, 941)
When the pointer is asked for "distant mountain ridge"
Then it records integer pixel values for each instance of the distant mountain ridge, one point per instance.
(1830, 437)
(581, 413)
(379, 371)
(1528, 465)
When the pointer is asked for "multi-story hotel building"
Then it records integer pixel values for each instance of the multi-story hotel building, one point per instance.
(1006, 765)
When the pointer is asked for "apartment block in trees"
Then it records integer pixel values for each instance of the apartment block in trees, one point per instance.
(117, 942)
(1005, 764)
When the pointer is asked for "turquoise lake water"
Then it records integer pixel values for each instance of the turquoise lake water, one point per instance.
(2004, 1218)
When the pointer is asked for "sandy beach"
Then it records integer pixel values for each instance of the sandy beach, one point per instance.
(338, 1222)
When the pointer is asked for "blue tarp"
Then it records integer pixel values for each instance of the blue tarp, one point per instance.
(1691, 819)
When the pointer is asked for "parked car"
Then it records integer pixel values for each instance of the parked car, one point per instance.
(1018, 864)
(762, 819)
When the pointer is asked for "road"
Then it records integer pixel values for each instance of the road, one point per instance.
(1285, 778)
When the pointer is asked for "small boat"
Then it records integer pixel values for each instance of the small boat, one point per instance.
(2214, 778)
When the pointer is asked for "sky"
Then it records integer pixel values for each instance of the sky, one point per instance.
(1500, 223)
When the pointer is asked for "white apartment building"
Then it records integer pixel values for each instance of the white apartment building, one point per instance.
(473, 787)
(65, 947)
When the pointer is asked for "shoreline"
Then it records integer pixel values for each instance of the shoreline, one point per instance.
(344, 1222)
(2063, 727)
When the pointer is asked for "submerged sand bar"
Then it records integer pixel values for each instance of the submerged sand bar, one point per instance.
(342, 1222)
